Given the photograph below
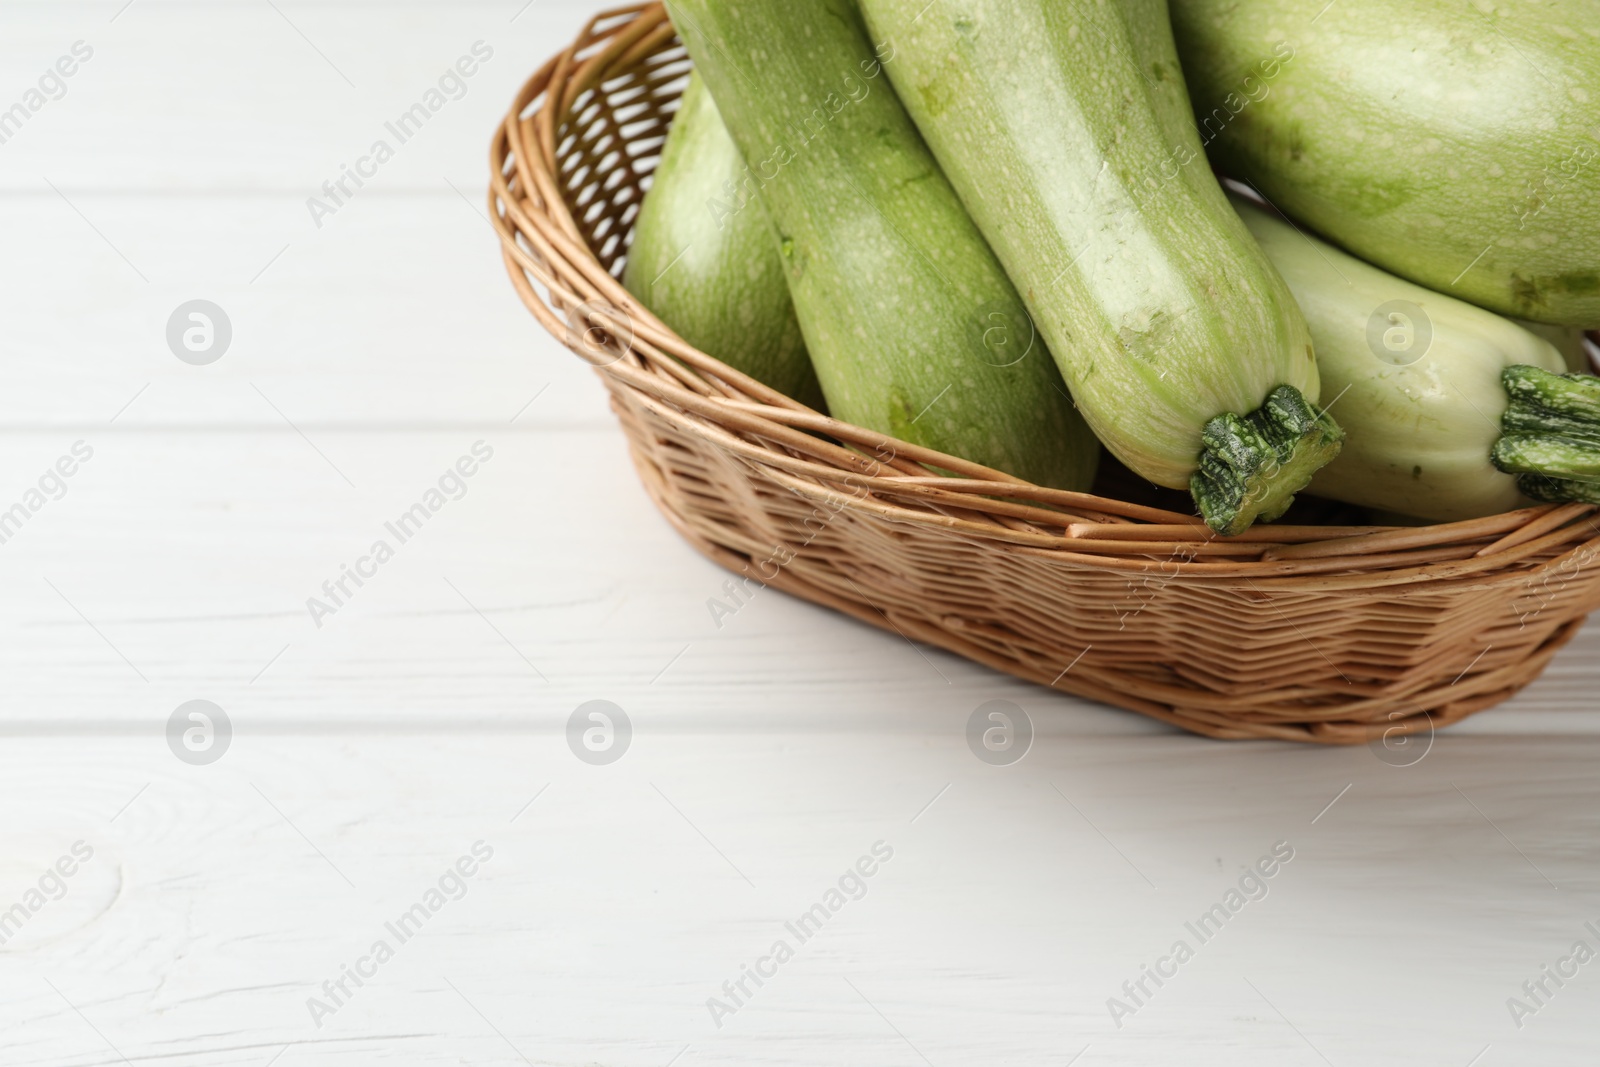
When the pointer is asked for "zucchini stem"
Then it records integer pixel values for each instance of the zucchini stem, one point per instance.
(1551, 434)
(1251, 466)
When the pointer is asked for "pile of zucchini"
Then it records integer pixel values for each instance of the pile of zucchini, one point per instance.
(992, 227)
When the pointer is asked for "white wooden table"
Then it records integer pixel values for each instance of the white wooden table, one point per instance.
(427, 715)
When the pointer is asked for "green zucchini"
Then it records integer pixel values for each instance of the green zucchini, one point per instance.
(702, 259)
(1066, 128)
(912, 325)
(1453, 412)
(1454, 143)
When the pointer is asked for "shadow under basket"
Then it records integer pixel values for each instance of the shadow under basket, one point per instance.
(1324, 633)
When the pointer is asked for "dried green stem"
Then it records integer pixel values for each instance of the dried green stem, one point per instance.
(1551, 434)
(1251, 466)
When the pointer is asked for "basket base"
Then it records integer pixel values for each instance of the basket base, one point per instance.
(1377, 714)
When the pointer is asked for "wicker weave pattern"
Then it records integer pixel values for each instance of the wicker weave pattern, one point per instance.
(1327, 634)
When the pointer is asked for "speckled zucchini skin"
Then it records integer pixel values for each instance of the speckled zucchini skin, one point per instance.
(1454, 142)
(703, 261)
(913, 327)
(1066, 128)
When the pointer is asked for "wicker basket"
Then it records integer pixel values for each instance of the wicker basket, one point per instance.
(1322, 633)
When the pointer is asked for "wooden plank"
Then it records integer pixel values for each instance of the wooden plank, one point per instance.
(188, 97)
(1015, 904)
(401, 316)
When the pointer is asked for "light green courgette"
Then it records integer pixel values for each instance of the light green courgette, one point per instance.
(1454, 142)
(912, 325)
(1067, 131)
(702, 260)
(1452, 411)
